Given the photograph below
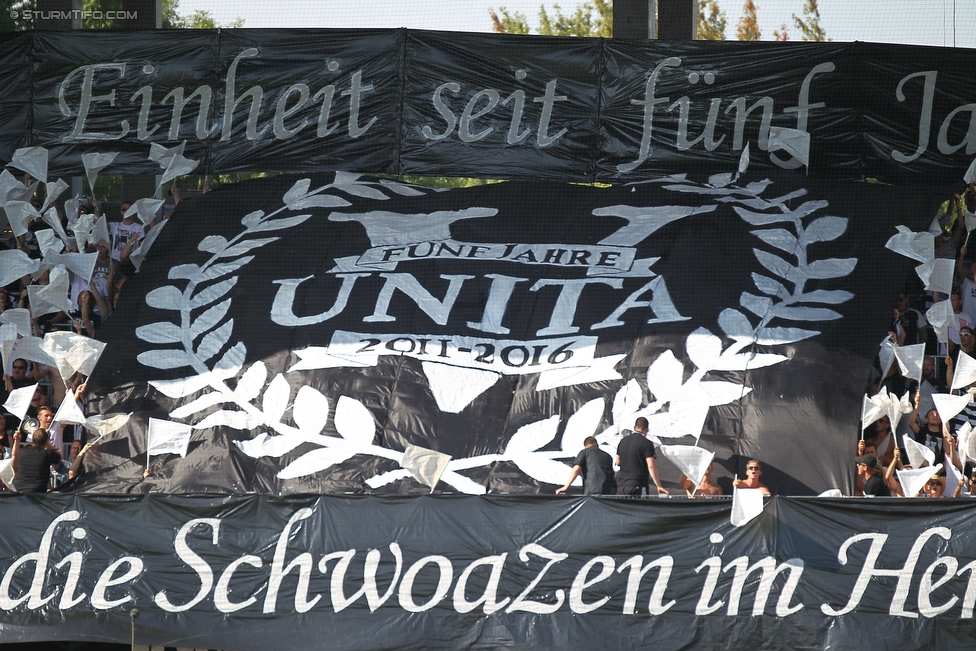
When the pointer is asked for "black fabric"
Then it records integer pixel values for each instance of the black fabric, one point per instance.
(366, 572)
(634, 450)
(485, 105)
(597, 469)
(34, 469)
(497, 339)
(876, 486)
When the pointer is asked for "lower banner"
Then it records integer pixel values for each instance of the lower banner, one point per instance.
(406, 572)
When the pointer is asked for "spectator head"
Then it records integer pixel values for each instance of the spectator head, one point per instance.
(871, 449)
(18, 370)
(753, 469)
(933, 487)
(902, 302)
(125, 207)
(75, 448)
(928, 367)
(40, 437)
(868, 461)
(956, 298)
(967, 340)
(641, 425)
(933, 420)
(45, 415)
(589, 441)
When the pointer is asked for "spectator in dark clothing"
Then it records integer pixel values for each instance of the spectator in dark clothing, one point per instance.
(596, 466)
(32, 464)
(874, 483)
(635, 457)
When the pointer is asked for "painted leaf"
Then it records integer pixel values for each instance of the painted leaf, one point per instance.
(212, 243)
(747, 361)
(703, 348)
(665, 376)
(160, 333)
(754, 202)
(462, 483)
(224, 418)
(830, 268)
(212, 293)
(184, 271)
(314, 461)
(720, 180)
(213, 342)
(243, 247)
(627, 401)
(532, 436)
(722, 393)
(264, 445)
(767, 285)
(310, 410)
(359, 190)
(826, 296)
(774, 263)
(231, 362)
(209, 319)
(297, 191)
(275, 399)
(824, 229)
(252, 219)
(201, 403)
(277, 224)
(582, 424)
(401, 189)
(779, 336)
(354, 422)
(758, 305)
(166, 297)
(780, 238)
(164, 359)
(541, 468)
(761, 219)
(735, 324)
(223, 268)
(250, 385)
(805, 313)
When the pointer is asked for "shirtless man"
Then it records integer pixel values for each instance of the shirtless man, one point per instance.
(753, 473)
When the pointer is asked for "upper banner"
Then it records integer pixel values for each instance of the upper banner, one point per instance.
(496, 106)
(299, 335)
(254, 573)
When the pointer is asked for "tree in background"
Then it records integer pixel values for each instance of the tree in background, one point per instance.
(748, 27)
(172, 19)
(781, 34)
(590, 19)
(809, 25)
(711, 21)
(11, 12)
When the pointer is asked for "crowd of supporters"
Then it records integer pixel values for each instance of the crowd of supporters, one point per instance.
(883, 456)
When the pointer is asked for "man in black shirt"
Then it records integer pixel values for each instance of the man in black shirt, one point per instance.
(635, 457)
(874, 484)
(33, 462)
(597, 469)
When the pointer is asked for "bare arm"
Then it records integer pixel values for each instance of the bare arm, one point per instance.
(652, 468)
(573, 474)
(913, 417)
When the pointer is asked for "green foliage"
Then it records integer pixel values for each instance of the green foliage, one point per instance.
(590, 19)
(748, 27)
(11, 8)
(809, 25)
(711, 21)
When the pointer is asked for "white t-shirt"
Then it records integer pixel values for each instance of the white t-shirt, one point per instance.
(120, 236)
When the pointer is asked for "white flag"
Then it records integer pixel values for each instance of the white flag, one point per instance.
(32, 160)
(918, 246)
(949, 405)
(747, 503)
(918, 453)
(941, 317)
(168, 437)
(952, 480)
(95, 163)
(425, 465)
(970, 175)
(18, 402)
(7, 473)
(912, 481)
(792, 141)
(910, 360)
(937, 274)
(690, 459)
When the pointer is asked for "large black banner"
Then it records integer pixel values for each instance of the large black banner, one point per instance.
(302, 333)
(495, 106)
(362, 573)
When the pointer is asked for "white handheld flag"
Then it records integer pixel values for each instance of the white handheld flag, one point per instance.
(168, 437)
(964, 372)
(937, 274)
(425, 465)
(32, 160)
(792, 141)
(910, 360)
(18, 402)
(918, 246)
(95, 163)
(690, 459)
(747, 504)
(918, 453)
(912, 481)
(949, 405)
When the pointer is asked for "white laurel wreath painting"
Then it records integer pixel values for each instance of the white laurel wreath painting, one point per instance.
(678, 408)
